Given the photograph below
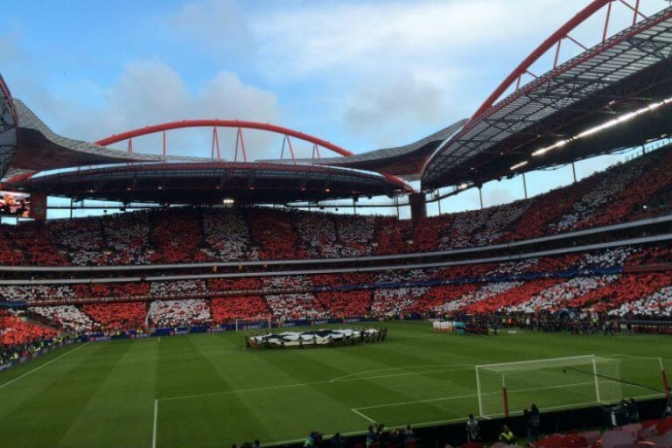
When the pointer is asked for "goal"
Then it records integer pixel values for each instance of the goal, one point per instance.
(557, 382)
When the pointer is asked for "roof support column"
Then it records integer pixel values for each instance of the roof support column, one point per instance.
(418, 205)
(38, 206)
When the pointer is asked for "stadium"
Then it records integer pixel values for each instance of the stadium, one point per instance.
(221, 300)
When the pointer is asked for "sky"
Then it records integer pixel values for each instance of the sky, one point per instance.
(361, 74)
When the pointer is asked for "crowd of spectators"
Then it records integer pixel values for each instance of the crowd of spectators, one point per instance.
(178, 313)
(127, 238)
(559, 295)
(355, 235)
(16, 330)
(482, 293)
(607, 187)
(177, 288)
(393, 301)
(641, 295)
(574, 280)
(656, 304)
(343, 304)
(227, 237)
(21, 337)
(632, 190)
(117, 316)
(66, 317)
(228, 309)
(36, 293)
(84, 243)
(292, 305)
(194, 234)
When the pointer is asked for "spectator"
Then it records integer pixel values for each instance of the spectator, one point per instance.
(310, 440)
(473, 429)
(667, 412)
(532, 422)
(633, 411)
(506, 436)
(371, 437)
(338, 441)
(409, 435)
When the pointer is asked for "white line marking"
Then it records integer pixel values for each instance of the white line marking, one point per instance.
(547, 408)
(439, 422)
(625, 355)
(362, 415)
(404, 374)
(285, 386)
(43, 365)
(240, 391)
(457, 397)
(365, 371)
(417, 425)
(429, 400)
(156, 420)
(391, 369)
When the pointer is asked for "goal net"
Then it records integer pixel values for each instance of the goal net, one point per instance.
(576, 381)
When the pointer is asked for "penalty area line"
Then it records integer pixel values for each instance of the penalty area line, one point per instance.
(459, 397)
(43, 365)
(362, 415)
(388, 369)
(392, 375)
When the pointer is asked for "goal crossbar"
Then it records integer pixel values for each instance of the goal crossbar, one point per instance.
(502, 369)
(544, 361)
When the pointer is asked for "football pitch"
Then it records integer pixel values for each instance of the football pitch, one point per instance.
(208, 390)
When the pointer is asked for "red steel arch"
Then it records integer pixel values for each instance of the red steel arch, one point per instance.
(242, 124)
(554, 39)
(215, 123)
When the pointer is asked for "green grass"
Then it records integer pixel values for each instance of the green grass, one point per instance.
(208, 391)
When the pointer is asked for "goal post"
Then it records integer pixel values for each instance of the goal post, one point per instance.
(557, 382)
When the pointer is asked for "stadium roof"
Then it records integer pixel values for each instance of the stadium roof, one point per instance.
(41, 149)
(210, 183)
(51, 164)
(405, 161)
(544, 123)
(624, 73)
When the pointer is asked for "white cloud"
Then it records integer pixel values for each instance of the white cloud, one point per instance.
(149, 93)
(219, 25)
(362, 74)
(347, 43)
(361, 37)
(498, 195)
(226, 93)
(402, 70)
(383, 112)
